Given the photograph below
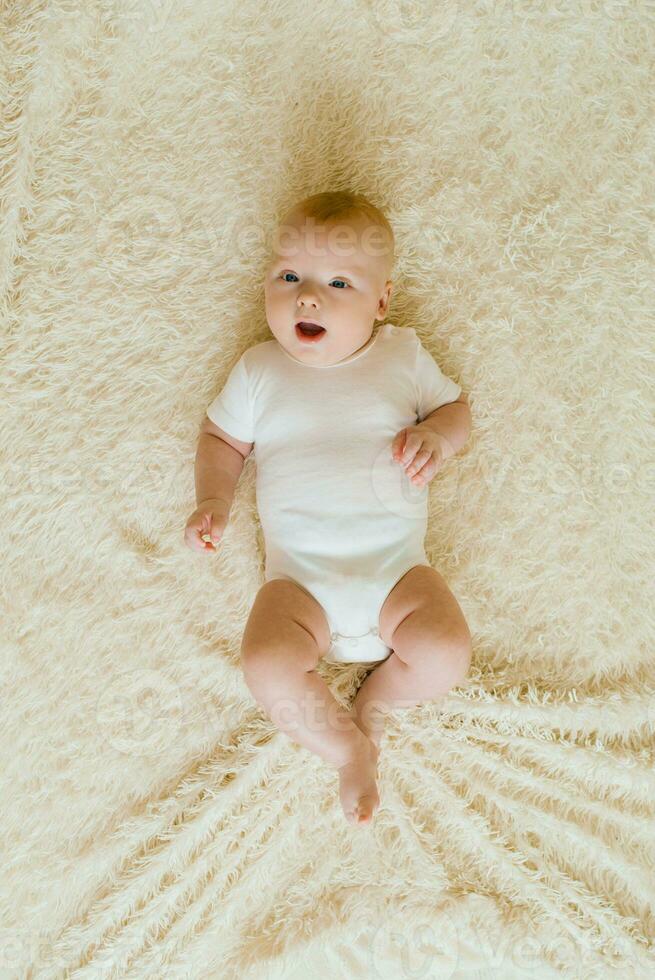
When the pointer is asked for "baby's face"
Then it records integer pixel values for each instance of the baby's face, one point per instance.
(335, 274)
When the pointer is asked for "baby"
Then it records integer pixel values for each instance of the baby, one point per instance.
(350, 420)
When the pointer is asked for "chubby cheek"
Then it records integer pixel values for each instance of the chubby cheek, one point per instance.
(282, 304)
(277, 310)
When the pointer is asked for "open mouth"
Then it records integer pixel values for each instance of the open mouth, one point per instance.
(309, 332)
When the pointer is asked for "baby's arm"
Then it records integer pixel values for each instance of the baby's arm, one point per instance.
(451, 424)
(220, 457)
(219, 461)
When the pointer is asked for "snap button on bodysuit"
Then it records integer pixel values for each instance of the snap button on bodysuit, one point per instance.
(353, 641)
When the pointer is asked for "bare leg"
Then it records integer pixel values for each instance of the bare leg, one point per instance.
(279, 653)
(392, 684)
(398, 684)
(431, 650)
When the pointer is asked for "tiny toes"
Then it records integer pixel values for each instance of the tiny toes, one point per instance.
(364, 810)
(357, 785)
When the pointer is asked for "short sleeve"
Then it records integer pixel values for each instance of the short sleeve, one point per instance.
(231, 409)
(433, 389)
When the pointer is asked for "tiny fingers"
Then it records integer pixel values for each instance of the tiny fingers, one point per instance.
(425, 472)
(419, 462)
(397, 445)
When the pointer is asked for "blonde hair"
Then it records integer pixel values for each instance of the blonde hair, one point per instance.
(343, 204)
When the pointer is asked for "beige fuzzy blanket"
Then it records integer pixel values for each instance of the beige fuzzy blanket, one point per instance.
(155, 823)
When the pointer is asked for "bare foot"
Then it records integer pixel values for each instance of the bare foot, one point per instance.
(357, 787)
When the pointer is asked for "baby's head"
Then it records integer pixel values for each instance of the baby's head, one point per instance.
(330, 263)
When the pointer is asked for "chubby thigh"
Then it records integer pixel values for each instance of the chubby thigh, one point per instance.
(285, 621)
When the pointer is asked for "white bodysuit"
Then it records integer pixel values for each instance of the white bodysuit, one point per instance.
(339, 516)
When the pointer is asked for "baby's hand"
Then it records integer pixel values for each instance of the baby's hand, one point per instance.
(420, 451)
(208, 521)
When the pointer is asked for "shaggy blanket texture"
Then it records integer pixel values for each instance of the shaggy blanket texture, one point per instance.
(155, 822)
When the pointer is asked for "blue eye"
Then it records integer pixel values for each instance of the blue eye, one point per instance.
(285, 274)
